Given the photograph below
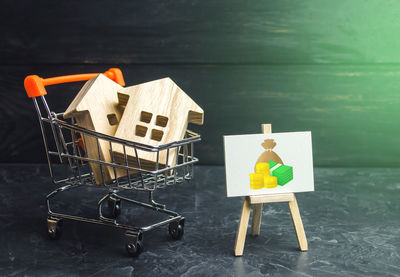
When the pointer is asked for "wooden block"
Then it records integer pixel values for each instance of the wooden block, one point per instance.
(242, 228)
(96, 108)
(266, 128)
(298, 224)
(156, 113)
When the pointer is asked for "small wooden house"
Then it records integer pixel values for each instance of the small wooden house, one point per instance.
(156, 113)
(96, 108)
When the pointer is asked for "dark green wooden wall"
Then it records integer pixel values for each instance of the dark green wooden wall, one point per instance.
(331, 67)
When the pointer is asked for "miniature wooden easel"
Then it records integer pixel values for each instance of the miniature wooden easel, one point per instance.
(257, 203)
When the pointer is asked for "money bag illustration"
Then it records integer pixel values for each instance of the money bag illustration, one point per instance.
(269, 170)
(268, 154)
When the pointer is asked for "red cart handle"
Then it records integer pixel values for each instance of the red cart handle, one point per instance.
(34, 85)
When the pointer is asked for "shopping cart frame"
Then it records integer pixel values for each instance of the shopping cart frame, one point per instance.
(68, 148)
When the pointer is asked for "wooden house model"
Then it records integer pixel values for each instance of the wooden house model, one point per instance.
(152, 113)
(156, 113)
(96, 108)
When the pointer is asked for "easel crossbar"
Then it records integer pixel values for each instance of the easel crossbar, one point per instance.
(284, 197)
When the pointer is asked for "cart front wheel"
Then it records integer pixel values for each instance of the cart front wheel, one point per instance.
(134, 249)
(176, 229)
(134, 243)
(54, 228)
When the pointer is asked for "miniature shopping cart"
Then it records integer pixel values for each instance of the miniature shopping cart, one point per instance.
(65, 143)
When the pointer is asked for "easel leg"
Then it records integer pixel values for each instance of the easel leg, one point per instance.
(256, 220)
(242, 229)
(298, 224)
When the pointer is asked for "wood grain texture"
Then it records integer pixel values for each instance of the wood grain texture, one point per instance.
(361, 101)
(298, 224)
(156, 113)
(306, 65)
(95, 107)
(242, 227)
(271, 198)
(191, 31)
(256, 219)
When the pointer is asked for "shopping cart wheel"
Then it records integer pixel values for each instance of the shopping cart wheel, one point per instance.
(134, 243)
(114, 207)
(134, 249)
(54, 227)
(176, 229)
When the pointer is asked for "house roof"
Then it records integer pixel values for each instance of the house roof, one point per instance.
(163, 95)
(96, 94)
(105, 101)
(156, 113)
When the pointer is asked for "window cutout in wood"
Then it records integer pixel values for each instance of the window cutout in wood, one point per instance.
(161, 120)
(112, 119)
(145, 116)
(140, 131)
(156, 135)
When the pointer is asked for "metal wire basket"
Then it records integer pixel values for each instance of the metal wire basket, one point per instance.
(66, 143)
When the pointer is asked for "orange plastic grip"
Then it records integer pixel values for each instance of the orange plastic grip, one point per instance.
(35, 86)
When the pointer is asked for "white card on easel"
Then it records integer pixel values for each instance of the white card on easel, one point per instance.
(288, 155)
